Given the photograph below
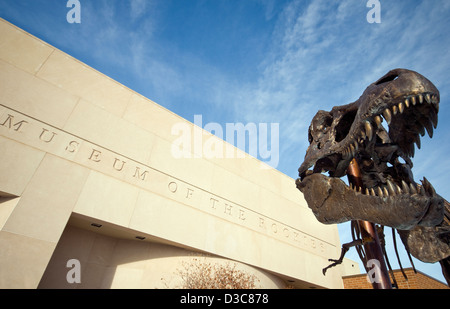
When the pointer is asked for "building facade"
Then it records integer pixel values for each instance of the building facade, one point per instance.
(92, 194)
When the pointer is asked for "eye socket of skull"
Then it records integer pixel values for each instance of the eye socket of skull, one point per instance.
(344, 125)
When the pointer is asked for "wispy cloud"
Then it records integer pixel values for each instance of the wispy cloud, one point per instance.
(325, 54)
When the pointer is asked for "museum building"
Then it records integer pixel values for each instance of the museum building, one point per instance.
(92, 197)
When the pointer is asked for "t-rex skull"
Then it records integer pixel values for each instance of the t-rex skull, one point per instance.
(380, 130)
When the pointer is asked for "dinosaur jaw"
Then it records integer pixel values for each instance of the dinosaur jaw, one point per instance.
(404, 207)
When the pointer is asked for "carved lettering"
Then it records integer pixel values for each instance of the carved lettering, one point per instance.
(286, 232)
(261, 223)
(241, 214)
(213, 204)
(118, 166)
(8, 123)
(137, 174)
(46, 137)
(115, 163)
(274, 228)
(296, 237)
(228, 209)
(95, 155)
(189, 193)
(173, 187)
(72, 147)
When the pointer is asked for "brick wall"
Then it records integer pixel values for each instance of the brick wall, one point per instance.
(415, 281)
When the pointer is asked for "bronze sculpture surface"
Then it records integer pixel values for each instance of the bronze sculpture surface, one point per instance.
(380, 131)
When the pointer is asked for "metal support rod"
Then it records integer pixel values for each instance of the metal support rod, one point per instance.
(372, 249)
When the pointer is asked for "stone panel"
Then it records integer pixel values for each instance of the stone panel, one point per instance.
(22, 51)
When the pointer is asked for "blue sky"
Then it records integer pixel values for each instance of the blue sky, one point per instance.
(258, 61)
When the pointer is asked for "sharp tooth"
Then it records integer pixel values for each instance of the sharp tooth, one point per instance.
(420, 98)
(411, 150)
(434, 118)
(385, 191)
(417, 141)
(412, 188)
(394, 110)
(434, 99)
(391, 187)
(367, 192)
(429, 187)
(421, 190)
(369, 130)
(401, 108)
(405, 187)
(372, 192)
(378, 121)
(421, 130)
(380, 192)
(388, 116)
(429, 127)
(363, 134)
(407, 103)
(413, 101)
(399, 190)
(428, 98)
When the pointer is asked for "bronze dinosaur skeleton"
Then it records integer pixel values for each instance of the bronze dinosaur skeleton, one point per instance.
(409, 105)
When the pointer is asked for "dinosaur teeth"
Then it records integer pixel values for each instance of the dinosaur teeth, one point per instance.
(378, 121)
(417, 141)
(369, 130)
(407, 103)
(405, 187)
(394, 110)
(387, 115)
(434, 118)
(412, 188)
(391, 187)
(429, 127)
(401, 108)
(434, 99)
(420, 98)
(426, 185)
(380, 192)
